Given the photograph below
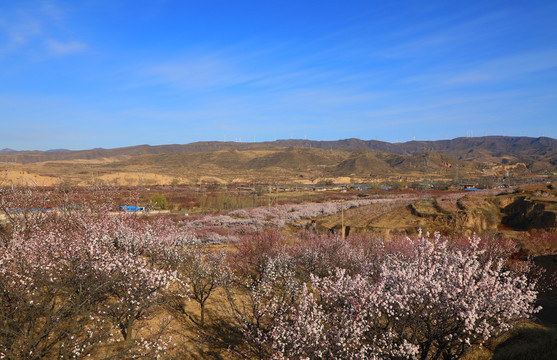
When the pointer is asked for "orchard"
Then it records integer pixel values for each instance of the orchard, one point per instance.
(78, 280)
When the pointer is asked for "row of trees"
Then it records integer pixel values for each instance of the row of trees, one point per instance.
(419, 298)
(210, 228)
(85, 284)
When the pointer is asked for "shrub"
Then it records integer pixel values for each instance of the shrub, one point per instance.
(158, 201)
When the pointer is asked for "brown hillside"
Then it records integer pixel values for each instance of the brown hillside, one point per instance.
(367, 164)
(296, 159)
(538, 149)
(476, 158)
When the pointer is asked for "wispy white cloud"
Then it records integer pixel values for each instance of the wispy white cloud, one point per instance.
(21, 31)
(25, 28)
(507, 68)
(514, 67)
(63, 48)
(255, 71)
(52, 10)
(201, 72)
(442, 35)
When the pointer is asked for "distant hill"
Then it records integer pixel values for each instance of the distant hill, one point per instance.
(496, 146)
(492, 157)
(8, 151)
(463, 148)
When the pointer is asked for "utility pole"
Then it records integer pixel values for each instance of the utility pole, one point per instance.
(140, 179)
(269, 198)
(427, 181)
(342, 220)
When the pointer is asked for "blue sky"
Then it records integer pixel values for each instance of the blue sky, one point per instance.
(95, 73)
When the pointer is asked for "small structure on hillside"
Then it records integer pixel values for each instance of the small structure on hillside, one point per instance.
(131, 208)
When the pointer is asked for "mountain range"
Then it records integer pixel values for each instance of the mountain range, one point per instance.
(462, 148)
(299, 160)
